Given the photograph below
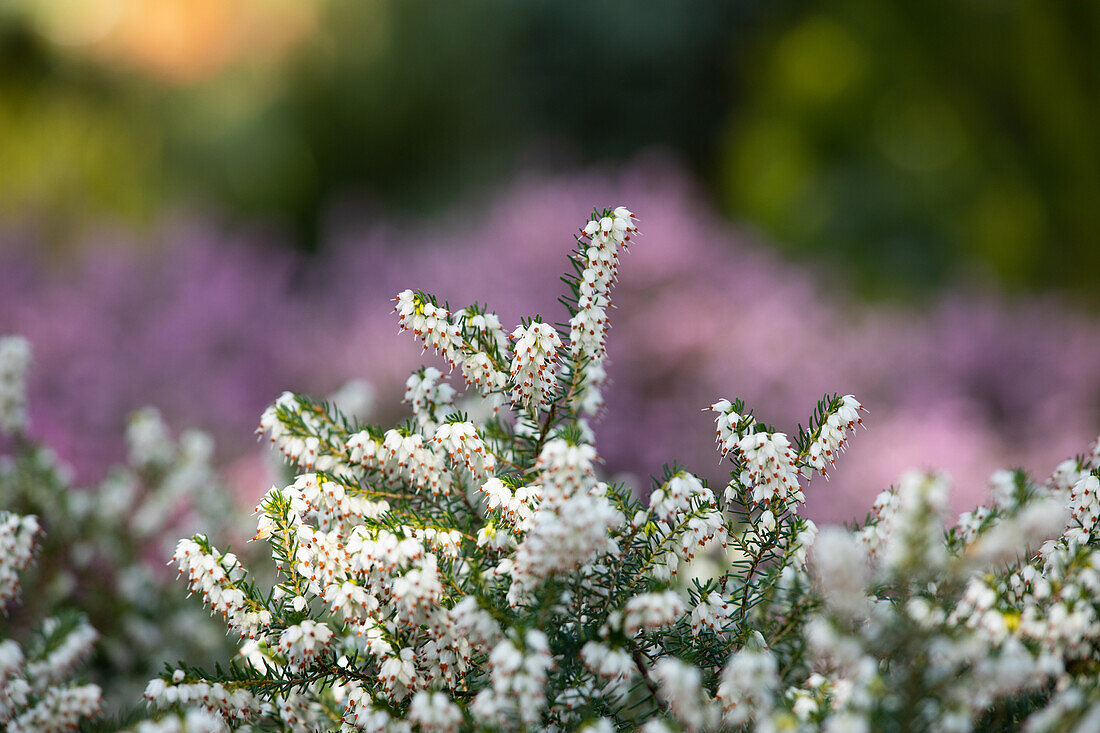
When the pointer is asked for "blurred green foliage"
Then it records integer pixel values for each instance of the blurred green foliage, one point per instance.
(911, 142)
(410, 103)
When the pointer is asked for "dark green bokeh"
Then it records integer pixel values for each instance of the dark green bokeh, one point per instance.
(919, 141)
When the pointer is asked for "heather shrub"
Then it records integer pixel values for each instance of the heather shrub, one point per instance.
(472, 568)
(36, 693)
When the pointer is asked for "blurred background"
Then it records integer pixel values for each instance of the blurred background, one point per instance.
(205, 202)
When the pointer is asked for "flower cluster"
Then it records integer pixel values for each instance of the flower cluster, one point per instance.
(598, 259)
(16, 551)
(474, 568)
(519, 677)
(1003, 608)
(35, 691)
(470, 339)
(215, 576)
(769, 464)
(536, 347)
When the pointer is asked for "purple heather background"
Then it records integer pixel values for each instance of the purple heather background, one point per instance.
(213, 322)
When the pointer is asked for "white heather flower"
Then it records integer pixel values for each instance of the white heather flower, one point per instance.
(804, 542)
(589, 399)
(495, 537)
(588, 326)
(519, 677)
(434, 711)
(148, 439)
(459, 338)
(652, 611)
(487, 325)
(565, 470)
(34, 695)
(1022, 534)
(688, 508)
(562, 537)
(59, 709)
(535, 349)
(768, 464)
(418, 591)
(728, 428)
(403, 458)
(360, 711)
(65, 655)
(572, 699)
(409, 601)
(970, 523)
(804, 704)
(680, 685)
(516, 508)
(873, 534)
(33, 692)
(215, 577)
(17, 537)
(371, 638)
(600, 259)
(607, 662)
(909, 527)
(448, 542)
(466, 448)
(746, 689)
(430, 397)
(310, 440)
(1084, 502)
(842, 571)
(833, 436)
(269, 420)
(15, 358)
(674, 498)
(448, 656)
(712, 612)
(479, 370)
(230, 702)
(398, 673)
(304, 642)
(298, 711)
(431, 323)
(475, 624)
(1002, 487)
(1066, 474)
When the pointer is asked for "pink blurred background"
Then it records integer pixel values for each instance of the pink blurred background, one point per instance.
(212, 322)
